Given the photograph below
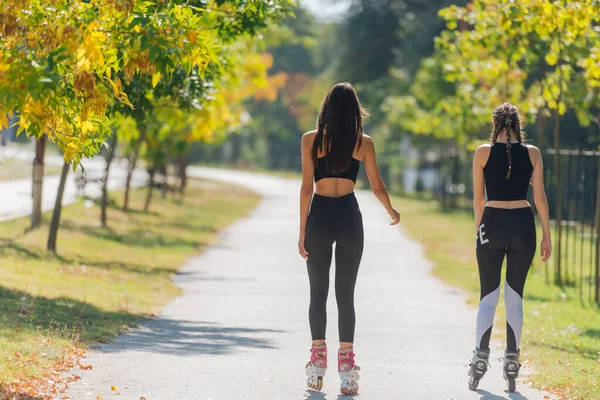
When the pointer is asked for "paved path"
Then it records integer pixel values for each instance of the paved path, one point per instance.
(240, 330)
(15, 195)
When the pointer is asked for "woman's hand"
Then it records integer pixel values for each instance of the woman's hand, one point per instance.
(394, 215)
(302, 248)
(546, 248)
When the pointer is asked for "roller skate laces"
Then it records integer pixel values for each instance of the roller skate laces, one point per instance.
(316, 367)
(511, 368)
(478, 367)
(348, 371)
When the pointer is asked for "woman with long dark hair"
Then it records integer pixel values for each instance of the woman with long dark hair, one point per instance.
(506, 228)
(329, 213)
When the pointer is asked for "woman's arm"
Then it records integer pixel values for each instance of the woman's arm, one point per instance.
(540, 200)
(377, 185)
(306, 190)
(479, 159)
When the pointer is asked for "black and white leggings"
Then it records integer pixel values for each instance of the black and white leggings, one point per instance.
(511, 234)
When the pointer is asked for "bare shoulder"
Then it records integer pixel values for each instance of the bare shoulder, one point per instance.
(308, 138)
(482, 154)
(533, 150)
(367, 147)
(534, 153)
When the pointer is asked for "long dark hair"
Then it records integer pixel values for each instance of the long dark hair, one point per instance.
(339, 127)
(506, 116)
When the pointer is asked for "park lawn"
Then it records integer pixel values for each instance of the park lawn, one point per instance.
(561, 337)
(103, 280)
(12, 168)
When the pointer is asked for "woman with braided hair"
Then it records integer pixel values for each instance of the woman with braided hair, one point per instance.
(329, 213)
(505, 228)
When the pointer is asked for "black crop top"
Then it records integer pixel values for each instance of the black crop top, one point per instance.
(496, 168)
(350, 173)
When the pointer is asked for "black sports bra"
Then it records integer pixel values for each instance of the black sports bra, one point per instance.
(496, 168)
(350, 173)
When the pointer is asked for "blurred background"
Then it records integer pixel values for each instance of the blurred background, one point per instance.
(431, 73)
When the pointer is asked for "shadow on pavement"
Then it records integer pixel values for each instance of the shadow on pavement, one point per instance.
(176, 337)
(489, 396)
(314, 395)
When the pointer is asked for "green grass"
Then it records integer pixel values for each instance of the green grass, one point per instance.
(561, 337)
(103, 280)
(12, 168)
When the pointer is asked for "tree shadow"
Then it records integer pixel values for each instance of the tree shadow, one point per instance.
(109, 265)
(7, 245)
(59, 316)
(593, 333)
(585, 353)
(179, 337)
(139, 237)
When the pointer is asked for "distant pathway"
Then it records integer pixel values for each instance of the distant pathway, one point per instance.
(15, 195)
(240, 329)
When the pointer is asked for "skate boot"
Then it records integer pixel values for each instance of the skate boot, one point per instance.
(511, 369)
(348, 371)
(479, 366)
(316, 367)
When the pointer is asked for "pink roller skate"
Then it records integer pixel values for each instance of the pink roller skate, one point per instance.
(316, 367)
(348, 371)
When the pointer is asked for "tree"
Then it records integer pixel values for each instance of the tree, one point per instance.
(540, 55)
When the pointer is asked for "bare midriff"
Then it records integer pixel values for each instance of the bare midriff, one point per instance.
(509, 205)
(334, 187)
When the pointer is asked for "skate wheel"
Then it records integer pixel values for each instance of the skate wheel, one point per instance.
(320, 383)
(512, 385)
(473, 383)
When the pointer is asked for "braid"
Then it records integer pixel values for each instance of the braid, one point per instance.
(506, 118)
(508, 145)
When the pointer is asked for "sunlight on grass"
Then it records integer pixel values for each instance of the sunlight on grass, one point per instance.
(11, 168)
(561, 338)
(104, 279)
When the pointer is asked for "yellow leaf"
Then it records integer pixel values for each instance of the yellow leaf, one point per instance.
(155, 79)
(562, 108)
(551, 59)
(113, 388)
(108, 72)
(192, 35)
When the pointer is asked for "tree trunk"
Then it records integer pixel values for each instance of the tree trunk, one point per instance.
(182, 163)
(558, 272)
(53, 234)
(150, 190)
(132, 163)
(38, 180)
(597, 277)
(541, 123)
(109, 159)
(165, 186)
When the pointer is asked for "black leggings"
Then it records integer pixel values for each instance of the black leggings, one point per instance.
(509, 233)
(333, 220)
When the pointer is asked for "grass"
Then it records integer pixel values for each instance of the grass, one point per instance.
(12, 168)
(102, 281)
(561, 337)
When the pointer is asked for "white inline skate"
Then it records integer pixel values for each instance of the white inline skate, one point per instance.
(348, 371)
(316, 367)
